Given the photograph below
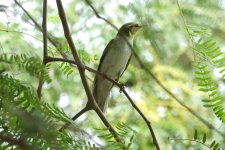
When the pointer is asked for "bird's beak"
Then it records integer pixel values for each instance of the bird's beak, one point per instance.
(139, 27)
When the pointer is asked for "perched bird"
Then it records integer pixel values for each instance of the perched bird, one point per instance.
(114, 62)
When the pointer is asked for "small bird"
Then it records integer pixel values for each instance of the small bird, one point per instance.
(114, 62)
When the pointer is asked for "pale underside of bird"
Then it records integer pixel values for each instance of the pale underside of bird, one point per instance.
(113, 63)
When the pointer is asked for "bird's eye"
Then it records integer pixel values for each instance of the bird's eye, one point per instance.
(136, 25)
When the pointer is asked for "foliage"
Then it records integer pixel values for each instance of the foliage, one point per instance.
(31, 64)
(207, 52)
(125, 133)
(203, 141)
(20, 105)
(207, 85)
(182, 66)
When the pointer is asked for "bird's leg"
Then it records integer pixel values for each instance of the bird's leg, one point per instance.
(122, 87)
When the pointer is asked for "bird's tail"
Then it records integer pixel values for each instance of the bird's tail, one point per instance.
(100, 92)
(101, 101)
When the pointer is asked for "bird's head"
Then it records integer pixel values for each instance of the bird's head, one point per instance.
(129, 29)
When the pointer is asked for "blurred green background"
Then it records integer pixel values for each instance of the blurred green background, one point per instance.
(164, 47)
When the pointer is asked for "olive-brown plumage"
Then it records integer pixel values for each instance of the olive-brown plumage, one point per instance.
(114, 62)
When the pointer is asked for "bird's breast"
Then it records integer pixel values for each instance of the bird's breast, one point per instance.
(116, 58)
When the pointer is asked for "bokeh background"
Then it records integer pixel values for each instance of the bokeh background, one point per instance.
(163, 45)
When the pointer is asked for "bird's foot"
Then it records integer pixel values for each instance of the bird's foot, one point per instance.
(122, 87)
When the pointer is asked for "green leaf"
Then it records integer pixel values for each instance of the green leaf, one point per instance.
(200, 66)
(223, 76)
(206, 100)
(212, 144)
(207, 42)
(213, 50)
(202, 72)
(216, 146)
(207, 105)
(220, 111)
(210, 83)
(207, 89)
(212, 88)
(221, 71)
(211, 45)
(217, 108)
(62, 64)
(219, 60)
(215, 55)
(221, 115)
(218, 103)
(195, 135)
(204, 138)
(203, 89)
(70, 71)
(213, 93)
(203, 78)
(217, 98)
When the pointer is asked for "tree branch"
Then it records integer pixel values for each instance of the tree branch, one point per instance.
(45, 31)
(45, 45)
(91, 104)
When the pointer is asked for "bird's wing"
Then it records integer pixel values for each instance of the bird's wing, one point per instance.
(125, 68)
(108, 47)
(126, 65)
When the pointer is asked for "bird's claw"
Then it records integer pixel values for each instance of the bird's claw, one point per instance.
(122, 87)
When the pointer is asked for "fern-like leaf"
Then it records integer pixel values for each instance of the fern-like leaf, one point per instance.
(31, 64)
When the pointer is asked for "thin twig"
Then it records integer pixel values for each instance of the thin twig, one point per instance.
(201, 119)
(24, 33)
(91, 101)
(49, 36)
(192, 140)
(99, 16)
(144, 117)
(20, 32)
(45, 45)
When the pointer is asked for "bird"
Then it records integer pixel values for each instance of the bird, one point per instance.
(113, 62)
